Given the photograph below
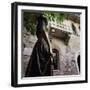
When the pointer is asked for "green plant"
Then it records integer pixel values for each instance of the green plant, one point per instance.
(30, 22)
(54, 16)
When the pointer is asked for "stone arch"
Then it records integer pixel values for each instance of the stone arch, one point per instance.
(74, 28)
(78, 61)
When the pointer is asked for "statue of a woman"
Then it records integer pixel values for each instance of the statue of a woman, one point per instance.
(40, 60)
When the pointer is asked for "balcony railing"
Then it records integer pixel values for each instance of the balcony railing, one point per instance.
(62, 27)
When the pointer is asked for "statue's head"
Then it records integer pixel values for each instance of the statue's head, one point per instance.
(42, 25)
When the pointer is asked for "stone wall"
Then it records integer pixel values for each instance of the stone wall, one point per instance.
(67, 55)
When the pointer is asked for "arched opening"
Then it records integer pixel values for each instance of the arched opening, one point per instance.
(74, 28)
(78, 61)
(55, 59)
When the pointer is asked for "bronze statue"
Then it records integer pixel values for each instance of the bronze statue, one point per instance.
(40, 60)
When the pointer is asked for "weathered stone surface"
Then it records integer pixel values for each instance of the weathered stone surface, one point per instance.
(27, 51)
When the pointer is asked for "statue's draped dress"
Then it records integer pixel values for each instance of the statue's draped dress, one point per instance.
(40, 60)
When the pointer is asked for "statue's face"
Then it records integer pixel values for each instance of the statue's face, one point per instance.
(45, 27)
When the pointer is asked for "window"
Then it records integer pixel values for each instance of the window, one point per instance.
(55, 59)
